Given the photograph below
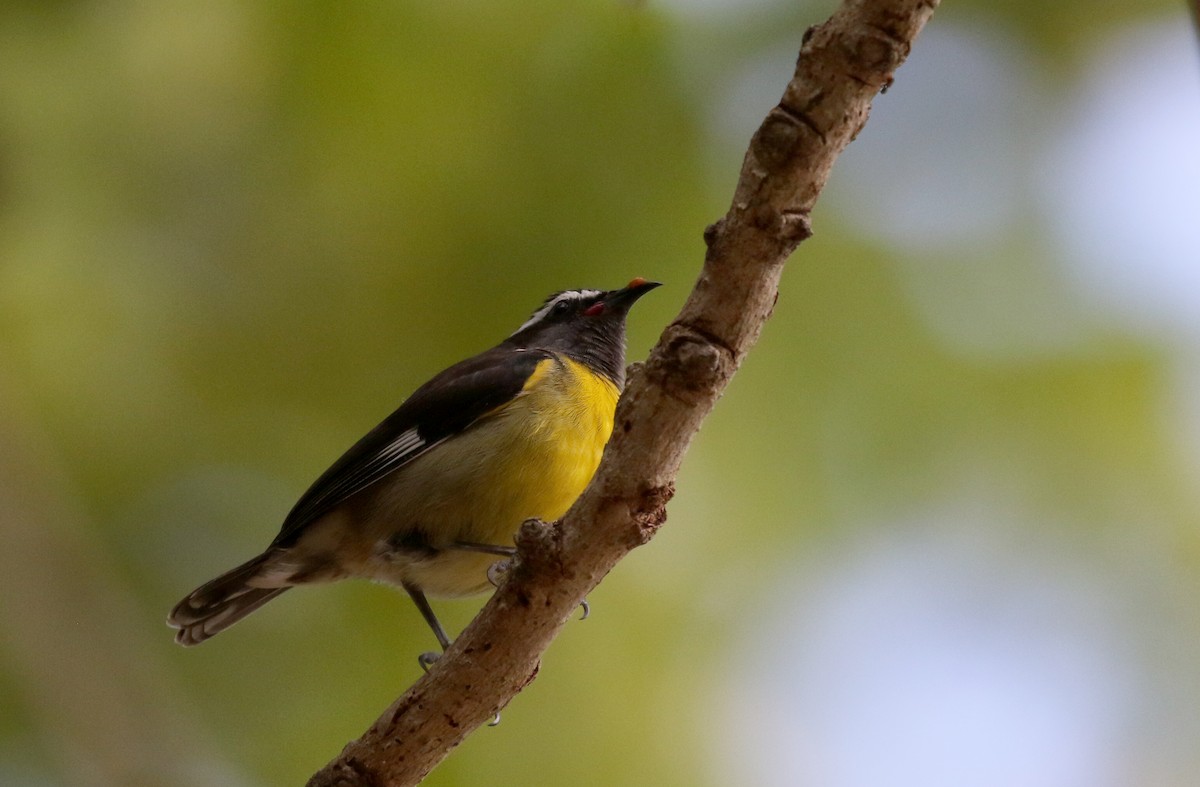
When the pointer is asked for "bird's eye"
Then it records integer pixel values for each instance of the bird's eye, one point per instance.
(561, 308)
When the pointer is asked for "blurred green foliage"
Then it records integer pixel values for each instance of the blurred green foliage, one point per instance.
(233, 236)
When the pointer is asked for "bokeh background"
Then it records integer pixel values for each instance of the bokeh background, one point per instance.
(943, 529)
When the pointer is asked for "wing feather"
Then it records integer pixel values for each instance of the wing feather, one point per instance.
(449, 403)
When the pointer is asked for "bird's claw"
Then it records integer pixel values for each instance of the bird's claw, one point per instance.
(427, 659)
(495, 720)
(497, 570)
(587, 609)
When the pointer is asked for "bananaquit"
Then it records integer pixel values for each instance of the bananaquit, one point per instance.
(430, 496)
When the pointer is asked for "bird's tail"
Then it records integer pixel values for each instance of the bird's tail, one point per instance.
(217, 605)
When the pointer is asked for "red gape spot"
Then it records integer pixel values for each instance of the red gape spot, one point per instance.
(594, 309)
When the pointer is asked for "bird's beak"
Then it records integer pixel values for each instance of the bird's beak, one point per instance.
(622, 299)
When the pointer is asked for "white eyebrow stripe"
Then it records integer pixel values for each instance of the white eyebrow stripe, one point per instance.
(568, 295)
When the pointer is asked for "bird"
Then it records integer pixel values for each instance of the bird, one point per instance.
(432, 497)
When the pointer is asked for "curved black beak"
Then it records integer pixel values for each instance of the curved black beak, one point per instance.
(623, 298)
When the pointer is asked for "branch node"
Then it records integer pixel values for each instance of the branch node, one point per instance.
(712, 231)
(539, 544)
(796, 225)
(650, 512)
(692, 362)
(711, 338)
(877, 53)
(779, 136)
(800, 115)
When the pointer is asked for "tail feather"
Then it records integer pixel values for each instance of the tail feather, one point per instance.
(218, 604)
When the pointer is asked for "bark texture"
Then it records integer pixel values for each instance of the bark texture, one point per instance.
(843, 65)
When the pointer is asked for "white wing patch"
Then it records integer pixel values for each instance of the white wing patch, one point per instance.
(554, 300)
(392, 455)
(408, 441)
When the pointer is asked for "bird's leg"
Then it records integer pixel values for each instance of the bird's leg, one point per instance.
(418, 596)
(487, 549)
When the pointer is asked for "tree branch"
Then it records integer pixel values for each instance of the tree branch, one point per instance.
(843, 64)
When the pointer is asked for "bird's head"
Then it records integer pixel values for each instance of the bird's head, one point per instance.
(586, 325)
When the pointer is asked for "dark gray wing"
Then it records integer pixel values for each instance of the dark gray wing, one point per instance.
(441, 408)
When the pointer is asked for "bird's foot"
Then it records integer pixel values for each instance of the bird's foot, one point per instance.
(497, 570)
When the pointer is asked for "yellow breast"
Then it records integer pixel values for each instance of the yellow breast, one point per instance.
(561, 422)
